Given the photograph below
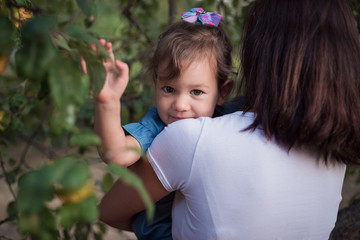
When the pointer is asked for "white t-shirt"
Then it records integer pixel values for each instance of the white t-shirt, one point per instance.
(235, 184)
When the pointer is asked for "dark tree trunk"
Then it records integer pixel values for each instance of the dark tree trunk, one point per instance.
(172, 11)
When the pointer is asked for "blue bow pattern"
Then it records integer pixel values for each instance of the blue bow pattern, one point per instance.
(198, 15)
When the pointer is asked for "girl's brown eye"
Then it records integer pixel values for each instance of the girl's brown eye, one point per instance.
(168, 89)
(196, 92)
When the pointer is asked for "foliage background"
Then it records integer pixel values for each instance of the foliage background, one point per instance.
(46, 101)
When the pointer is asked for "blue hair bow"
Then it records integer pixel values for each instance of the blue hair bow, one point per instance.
(198, 15)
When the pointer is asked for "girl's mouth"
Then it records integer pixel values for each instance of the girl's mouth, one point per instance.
(178, 118)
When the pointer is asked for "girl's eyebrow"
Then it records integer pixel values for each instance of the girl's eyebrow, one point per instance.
(164, 79)
(202, 85)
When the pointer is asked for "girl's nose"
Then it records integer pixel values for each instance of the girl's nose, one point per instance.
(181, 103)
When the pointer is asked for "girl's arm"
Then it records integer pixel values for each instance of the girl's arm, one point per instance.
(116, 146)
(122, 202)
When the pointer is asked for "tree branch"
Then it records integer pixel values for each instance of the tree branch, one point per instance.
(6, 176)
(47, 151)
(128, 14)
(172, 11)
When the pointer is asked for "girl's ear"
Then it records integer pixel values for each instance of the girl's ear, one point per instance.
(225, 91)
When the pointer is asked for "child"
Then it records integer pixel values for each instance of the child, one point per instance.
(190, 68)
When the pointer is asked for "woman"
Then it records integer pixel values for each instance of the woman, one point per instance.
(275, 170)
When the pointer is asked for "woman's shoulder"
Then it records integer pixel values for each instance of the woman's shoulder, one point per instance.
(234, 120)
(194, 127)
(191, 125)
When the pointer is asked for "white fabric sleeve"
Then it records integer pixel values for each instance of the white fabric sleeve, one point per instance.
(171, 153)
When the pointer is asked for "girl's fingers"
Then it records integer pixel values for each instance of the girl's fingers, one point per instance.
(110, 51)
(93, 46)
(102, 41)
(108, 47)
(123, 69)
(83, 65)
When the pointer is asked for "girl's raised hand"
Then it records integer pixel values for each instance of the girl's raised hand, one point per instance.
(117, 76)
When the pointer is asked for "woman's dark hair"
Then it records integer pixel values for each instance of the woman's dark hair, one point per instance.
(184, 42)
(301, 75)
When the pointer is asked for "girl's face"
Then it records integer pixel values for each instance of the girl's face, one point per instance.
(193, 94)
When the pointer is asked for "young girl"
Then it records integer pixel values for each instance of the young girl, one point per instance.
(190, 66)
(274, 171)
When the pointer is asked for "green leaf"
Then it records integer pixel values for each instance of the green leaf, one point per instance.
(97, 76)
(67, 84)
(63, 120)
(89, 211)
(35, 188)
(87, 6)
(17, 102)
(94, 63)
(6, 30)
(61, 42)
(68, 215)
(77, 33)
(29, 223)
(74, 177)
(21, 2)
(84, 139)
(34, 59)
(47, 221)
(37, 52)
(82, 212)
(131, 179)
(40, 226)
(11, 209)
(69, 89)
(80, 40)
(107, 182)
(38, 28)
(61, 167)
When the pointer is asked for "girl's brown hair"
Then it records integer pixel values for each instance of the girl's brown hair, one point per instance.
(301, 75)
(184, 42)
